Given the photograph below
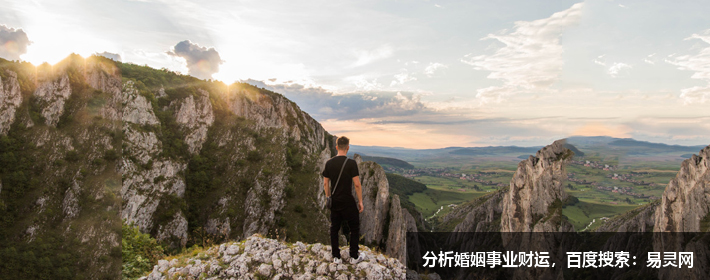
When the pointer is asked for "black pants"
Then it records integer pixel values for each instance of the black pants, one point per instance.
(337, 217)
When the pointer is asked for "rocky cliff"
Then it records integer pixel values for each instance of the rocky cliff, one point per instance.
(59, 147)
(263, 258)
(383, 223)
(532, 203)
(206, 162)
(685, 207)
(686, 200)
(10, 100)
(534, 200)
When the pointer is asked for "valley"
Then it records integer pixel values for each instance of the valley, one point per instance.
(608, 176)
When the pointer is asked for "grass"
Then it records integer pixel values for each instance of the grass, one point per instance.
(583, 212)
(431, 200)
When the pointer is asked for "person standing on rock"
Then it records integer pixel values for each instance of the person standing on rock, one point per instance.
(340, 173)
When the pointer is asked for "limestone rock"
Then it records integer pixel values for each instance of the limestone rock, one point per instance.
(263, 257)
(10, 99)
(375, 196)
(397, 233)
(196, 116)
(136, 108)
(52, 95)
(535, 186)
(686, 200)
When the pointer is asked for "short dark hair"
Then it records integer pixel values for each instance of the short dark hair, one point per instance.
(343, 142)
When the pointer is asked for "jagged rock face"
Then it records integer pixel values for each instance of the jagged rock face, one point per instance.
(480, 215)
(277, 111)
(148, 178)
(104, 77)
(195, 116)
(686, 200)
(684, 204)
(10, 99)
(397, 231)
(52, 95)
(136, 108)
(375, 196)
(74, 195)
(262, 258)
(637, 220)
(535, 186)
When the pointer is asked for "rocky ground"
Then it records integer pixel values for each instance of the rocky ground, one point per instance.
(263, 258)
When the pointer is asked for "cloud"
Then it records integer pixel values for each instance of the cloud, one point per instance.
(365, 57)
(531, 58)
(600, 60)
(323, 104)
(201, 61)
(401, 78)
(650, 59)
(617, 68)
(432, 67)
(112, 56)
(13, 42)
(700, 63)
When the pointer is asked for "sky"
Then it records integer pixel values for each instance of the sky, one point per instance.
(415, 74)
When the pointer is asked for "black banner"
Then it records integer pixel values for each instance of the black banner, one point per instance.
(551, 255)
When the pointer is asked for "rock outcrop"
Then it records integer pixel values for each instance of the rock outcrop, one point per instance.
(10, 99)
(52, 96)
(136, 108)
(195, 115)
(383, 223)
(685, 207)
(535, 186)
(375, 196)
(686, 200)
(64, 181)
(637, 220)
(258, 257)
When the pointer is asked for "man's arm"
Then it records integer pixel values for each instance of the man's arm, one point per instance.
(326, 186)
(358, 189)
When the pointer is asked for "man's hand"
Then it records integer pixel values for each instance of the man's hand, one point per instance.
(360, 207)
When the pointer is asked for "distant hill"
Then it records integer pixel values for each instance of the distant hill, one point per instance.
(388, 161)
(628, 142)
(574, 149)
(485, 151)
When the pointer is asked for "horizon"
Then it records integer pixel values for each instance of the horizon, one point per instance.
(421, 74)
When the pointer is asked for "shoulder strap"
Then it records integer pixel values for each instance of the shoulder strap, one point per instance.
(341, 173)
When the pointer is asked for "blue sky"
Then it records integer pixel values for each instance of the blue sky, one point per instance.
(418, 74)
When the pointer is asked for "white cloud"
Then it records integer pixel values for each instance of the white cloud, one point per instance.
(365, 57)
(531, 58)
(600, 60)
(618, 68)
(437, 5)
(361, 83)
(432, 67)
(700, 63)
(650, 59)
(401, 78)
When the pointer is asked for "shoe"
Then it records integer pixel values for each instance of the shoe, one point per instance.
(359, 259)
(337, 261)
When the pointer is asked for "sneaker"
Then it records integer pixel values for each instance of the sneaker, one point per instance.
(337, 261)
(360, 258)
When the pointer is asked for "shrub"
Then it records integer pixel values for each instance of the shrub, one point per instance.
(139, 252)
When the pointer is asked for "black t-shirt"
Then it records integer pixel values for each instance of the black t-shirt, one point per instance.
(343, 196)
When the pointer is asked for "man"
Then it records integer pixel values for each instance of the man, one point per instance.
(344, 206)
